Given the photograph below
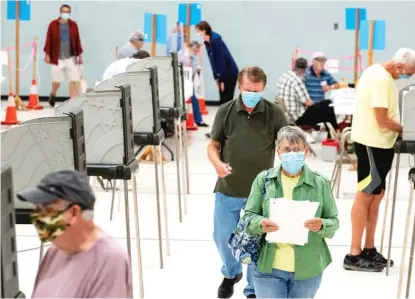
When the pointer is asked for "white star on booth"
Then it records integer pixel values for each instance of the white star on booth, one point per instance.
(43, 134)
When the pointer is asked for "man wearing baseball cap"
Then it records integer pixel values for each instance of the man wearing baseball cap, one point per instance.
(135, 43)
(83, 262)
(317, 79)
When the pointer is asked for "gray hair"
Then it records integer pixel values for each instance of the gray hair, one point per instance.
(137, 36)
(405, 56)
(292, 134)
(195, 44)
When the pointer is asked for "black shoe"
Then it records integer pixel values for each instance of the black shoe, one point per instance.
(251, 296)
(207, 135)
(373, 255)
(360, 263)
(226, 288)
(52, 100)
(202, 124)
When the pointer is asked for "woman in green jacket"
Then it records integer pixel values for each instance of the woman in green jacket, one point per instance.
(285, 270)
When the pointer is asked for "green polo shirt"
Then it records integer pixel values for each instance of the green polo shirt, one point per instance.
(247, 143)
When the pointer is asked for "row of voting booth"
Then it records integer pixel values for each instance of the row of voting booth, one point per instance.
(97, 133)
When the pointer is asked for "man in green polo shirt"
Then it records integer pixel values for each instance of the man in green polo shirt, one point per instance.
(242, 145)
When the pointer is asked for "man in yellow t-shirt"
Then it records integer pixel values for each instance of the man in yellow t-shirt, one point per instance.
(375, 128)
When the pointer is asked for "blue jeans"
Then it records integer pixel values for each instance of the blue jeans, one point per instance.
(282, 284)
(227, 213)
(196, 110)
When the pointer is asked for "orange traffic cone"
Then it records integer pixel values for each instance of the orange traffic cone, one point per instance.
(202, 105)
(11, 113)
(34, 98)
(190, 121)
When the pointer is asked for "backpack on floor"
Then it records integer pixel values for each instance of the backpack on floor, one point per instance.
(245, 247)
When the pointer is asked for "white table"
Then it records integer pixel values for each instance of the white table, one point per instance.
(343, 99)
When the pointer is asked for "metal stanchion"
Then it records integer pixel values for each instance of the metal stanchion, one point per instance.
(406, 235)
(163, 191)
(385, 218)
(156, 162)
(41, 251)
(395, 190)
(137, 237)
(178, 146)
(183, 159)
(186, 158)
(113, 198)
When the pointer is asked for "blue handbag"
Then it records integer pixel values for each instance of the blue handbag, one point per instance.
(246, 247)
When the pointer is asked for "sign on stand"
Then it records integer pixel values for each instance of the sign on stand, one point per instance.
(343, 99)
(188, 82)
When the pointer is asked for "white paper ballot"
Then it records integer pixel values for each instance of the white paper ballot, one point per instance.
(3, 58)
(290, 217)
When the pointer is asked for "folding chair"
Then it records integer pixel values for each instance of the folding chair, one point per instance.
(291, 122)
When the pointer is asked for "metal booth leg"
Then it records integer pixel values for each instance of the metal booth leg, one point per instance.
(183, 167)
(405, 239)
(113, 199)
(395, 190)
(176, 124)
(186, 157)
(411, 261)
(385, 217)
(163, 191)
(41, 251)
(137, 237)
(127, 228)
(339, 174)
(156, 162)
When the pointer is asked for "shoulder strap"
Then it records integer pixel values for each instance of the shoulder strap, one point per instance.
(266, 180)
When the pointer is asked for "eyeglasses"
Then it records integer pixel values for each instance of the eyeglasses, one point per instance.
(53, 208)
(286, 150)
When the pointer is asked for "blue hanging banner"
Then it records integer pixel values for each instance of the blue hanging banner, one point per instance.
(161, 28)
(24, 10)
(379, 35)
(351, 17)
(195, 13)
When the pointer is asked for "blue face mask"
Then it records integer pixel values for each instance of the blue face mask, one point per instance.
(250, 98)
(64, 16)
(404, 76)
(292, 162)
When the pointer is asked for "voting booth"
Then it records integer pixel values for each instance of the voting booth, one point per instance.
(146, 127)
(404, 145)
(38, 146)
(171, 105)
(109, 144)
(9, 267)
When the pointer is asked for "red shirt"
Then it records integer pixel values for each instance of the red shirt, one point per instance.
(52, 43)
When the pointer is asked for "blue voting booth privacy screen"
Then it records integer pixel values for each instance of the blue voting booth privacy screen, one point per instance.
(161, 28)
(379, 35)
(24, 10)
(195, 13)
(351, 17)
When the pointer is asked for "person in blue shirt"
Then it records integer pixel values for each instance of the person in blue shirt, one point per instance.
(194, 48)
(318, 81)
(225, 71)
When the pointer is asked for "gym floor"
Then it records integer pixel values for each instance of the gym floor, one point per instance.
(193, 267)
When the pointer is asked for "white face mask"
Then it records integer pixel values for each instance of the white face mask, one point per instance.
(65, 16)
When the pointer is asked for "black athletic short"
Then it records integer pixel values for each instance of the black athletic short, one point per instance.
(373, 165)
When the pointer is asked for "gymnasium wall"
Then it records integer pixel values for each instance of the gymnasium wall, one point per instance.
(262, 33)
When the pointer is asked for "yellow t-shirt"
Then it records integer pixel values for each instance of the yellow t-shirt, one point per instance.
(284, 254)
(376, 89)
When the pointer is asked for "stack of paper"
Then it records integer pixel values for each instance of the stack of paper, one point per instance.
(290, 216)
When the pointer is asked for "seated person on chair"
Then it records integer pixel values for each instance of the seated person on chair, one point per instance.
(300, 109)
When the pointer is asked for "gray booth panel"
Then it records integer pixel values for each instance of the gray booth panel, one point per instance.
(9, 270)
(35, 149)
(141, 97)
(165, 77)
(103, 125)
(408, 115)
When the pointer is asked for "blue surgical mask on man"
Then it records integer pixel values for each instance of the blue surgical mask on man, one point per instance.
(251, 98)
(404, 76)
(292, 162)
(65, 16)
